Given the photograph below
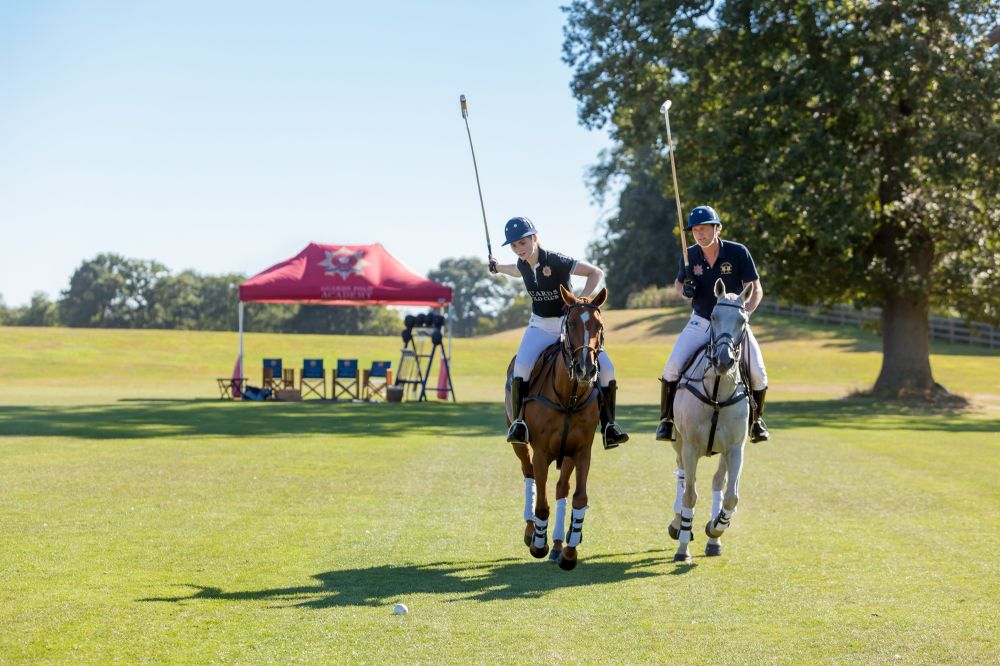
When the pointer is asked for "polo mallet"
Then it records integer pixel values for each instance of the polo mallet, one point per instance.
(482, 206)
(665, 110)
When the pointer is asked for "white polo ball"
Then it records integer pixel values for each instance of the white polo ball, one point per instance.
(400, 609)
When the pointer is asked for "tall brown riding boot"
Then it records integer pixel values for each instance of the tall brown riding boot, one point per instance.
(613, 435)
(518, 432)
(665, 431)
(758, 429)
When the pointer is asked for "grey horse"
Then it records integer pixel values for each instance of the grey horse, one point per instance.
(711, 415)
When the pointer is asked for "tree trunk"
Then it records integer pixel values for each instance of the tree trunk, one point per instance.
(906, 365)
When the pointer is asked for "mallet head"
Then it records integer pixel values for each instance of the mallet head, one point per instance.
(665, 107)
(465, 108)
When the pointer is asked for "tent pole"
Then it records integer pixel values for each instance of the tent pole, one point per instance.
(242, 374)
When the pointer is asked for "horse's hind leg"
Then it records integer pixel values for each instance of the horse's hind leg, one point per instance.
(559, 523)
(714, 546)
(674, 528)
(523, 454)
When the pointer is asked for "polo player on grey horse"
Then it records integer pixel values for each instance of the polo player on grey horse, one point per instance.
(712, 259)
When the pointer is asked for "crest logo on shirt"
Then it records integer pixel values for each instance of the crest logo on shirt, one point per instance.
(698, 270)
(726, 268)
(344, 262)
(546, 271)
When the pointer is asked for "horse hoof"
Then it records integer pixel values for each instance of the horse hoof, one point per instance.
(682, 558)
(565, 564)
(713, 549)
(555, 554)
(539, 553)
(674, 533)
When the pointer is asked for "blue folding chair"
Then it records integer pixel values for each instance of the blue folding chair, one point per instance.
(376, 378)
(272, 373)
(346, 380)
(313, 378)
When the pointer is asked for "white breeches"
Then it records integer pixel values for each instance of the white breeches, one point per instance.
(542, 332)
(697, 333)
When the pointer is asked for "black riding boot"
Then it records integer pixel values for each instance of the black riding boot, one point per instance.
(665, 431)
(613, 435)
(518, 432)
(758, 429)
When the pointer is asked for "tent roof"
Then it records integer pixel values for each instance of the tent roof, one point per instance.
(343, 275)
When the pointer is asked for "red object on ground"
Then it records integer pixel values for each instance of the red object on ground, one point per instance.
(237, 383)
(443, 383)
(343, 275)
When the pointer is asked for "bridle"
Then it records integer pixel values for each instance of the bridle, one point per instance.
(566, 346)
(726, 339)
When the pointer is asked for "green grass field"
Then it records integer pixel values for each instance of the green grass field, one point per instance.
(144, 520)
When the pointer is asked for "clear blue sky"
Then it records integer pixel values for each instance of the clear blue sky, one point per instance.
(224, 136)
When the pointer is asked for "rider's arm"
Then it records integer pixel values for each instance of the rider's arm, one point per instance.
(755, 297)
(593, 274)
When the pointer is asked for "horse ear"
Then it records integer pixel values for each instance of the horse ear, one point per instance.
(720, 288)
(747, 292)
(602, 296)
(567, 295)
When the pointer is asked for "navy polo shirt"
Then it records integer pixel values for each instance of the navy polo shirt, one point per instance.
(553, 269)
(734, 265)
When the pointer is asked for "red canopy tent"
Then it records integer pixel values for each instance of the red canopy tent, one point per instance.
(342, 275)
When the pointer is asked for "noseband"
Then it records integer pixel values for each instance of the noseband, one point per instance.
(727, 339)
(568, 351)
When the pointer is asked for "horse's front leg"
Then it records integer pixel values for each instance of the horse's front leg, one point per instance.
(719, 523)
(559, 522)
(689, 456)
(539, 545)
(714, 546)
(574, 535)
(523, 454)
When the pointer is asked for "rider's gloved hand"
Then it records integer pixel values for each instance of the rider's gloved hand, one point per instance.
(688, 288)
(493, 264)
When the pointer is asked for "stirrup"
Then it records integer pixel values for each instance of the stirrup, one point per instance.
(758, 431)
(613, 435)
(518, 432)
(665, 431)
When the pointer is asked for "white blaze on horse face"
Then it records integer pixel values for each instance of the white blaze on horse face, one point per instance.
(584, 318)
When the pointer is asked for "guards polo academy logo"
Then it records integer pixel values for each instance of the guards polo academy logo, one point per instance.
(547, 272)
(726, 268)
(344, 262)
(698, 270)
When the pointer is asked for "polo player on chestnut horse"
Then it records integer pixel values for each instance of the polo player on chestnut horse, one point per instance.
(561, 411)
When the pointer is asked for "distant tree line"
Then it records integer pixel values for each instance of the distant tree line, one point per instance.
(112, 291)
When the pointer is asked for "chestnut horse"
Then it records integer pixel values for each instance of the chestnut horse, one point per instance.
(561, 411)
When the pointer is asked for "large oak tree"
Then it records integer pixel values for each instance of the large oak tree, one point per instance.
(853, 145)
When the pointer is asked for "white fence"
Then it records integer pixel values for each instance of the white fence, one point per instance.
(941, 328)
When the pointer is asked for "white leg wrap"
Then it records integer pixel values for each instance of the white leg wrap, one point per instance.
(541, 533)
(687, 518)
(530, 493)
(716, 503)
(560, 524)
(721, 522)
(679, 473)
(575, 534)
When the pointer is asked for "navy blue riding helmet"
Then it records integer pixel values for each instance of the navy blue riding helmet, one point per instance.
(518, 228)
(703, 215)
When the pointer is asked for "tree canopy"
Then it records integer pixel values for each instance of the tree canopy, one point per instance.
(852, 146)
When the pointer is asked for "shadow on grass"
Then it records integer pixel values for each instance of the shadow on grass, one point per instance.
(215, 418)
(144, 419)
(507, 578)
